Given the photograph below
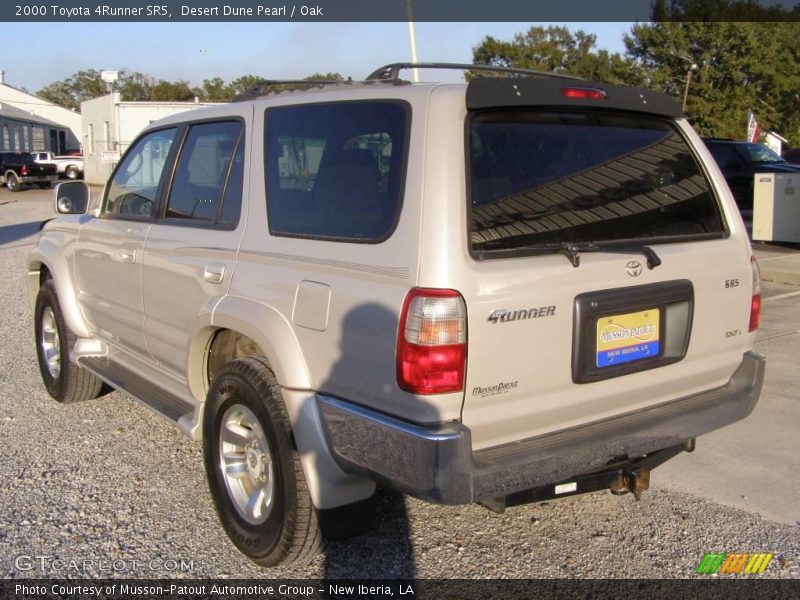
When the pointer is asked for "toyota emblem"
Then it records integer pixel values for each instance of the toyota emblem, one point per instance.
(633, 268)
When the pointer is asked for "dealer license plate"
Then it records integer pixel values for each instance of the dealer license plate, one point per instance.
(627, 337)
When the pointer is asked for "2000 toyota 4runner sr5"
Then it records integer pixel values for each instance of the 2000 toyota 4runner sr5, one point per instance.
(503, 291)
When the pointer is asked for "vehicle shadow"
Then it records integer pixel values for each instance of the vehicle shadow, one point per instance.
(18, 231)
(383, 553)
(367, 356)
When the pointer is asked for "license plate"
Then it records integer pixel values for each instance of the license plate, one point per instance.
(627, 337)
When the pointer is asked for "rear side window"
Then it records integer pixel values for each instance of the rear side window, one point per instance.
(546, 178)
(335, 171)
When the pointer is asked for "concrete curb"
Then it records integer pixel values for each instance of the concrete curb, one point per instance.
(776, 274)
(778, 264)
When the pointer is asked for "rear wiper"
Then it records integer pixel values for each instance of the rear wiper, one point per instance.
(572, 252)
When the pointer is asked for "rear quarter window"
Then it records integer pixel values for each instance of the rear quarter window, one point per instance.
(335, 171)
(541, 178)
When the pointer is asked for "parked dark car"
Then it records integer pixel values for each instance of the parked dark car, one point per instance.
(739, 161)
(792, 155)
(19, 168)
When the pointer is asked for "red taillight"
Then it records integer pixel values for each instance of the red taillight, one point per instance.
(585, 93)
(432, 342)
(755, 302)
(23, 170)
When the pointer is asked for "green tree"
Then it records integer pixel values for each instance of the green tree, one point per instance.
(216, 90)
(132, 87)
(256, 84)
(557, 50)
(244, 83)
(720, 10)
(171, 91)
(735, 66)
(324, 77)
(135, 87)
(69, 93)
(140, 87)
(59, 92)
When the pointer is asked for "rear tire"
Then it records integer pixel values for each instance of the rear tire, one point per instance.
(253, 467)
(13, 183)
(65, 381)
(71, 172)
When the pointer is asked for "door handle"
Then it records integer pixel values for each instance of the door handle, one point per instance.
(128, 256)
(214, 273)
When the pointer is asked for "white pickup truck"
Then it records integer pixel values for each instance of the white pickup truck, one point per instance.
(70, 167)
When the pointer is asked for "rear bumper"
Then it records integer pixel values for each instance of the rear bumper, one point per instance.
(437, 463)
(37, 178)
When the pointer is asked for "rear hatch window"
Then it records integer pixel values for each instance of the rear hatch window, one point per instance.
(542, 179)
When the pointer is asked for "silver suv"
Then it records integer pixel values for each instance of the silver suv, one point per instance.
(514, 289)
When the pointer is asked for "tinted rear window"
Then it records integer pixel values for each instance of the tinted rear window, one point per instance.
(540, 178)
(20, 157)
(335, 171)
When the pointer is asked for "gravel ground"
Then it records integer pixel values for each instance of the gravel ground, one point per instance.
(107, 480)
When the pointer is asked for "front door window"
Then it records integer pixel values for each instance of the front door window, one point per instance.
(133, 189)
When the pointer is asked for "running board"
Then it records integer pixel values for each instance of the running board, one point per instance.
(121, 377)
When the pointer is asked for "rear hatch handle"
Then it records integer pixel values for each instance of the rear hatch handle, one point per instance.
(572, 252)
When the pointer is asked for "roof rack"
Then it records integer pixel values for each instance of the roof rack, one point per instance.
(267, 87)
(391, 72)
(388, 74)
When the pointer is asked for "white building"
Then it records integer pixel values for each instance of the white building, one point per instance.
(775, 141)
(30, 123)
(110, 125)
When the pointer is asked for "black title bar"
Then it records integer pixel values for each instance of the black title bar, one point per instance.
(733, 588)
(369, 11)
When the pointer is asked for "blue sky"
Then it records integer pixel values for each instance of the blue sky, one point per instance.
(36, 54)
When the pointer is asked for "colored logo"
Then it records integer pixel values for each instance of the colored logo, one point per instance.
(627, 337)
(734, 563)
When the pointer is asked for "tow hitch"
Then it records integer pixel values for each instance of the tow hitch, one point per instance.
(631, 476)
(635, 482)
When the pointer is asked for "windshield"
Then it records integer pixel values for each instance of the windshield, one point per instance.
(544, 178)
(761, 153)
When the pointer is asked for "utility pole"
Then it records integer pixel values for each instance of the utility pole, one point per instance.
(412, 40)
(692, 67)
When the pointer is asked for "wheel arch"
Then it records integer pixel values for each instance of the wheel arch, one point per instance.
(47, 258)
(251, 321)
(273, 338)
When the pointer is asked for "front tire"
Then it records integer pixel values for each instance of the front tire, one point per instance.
(65, 381)
(254, 469)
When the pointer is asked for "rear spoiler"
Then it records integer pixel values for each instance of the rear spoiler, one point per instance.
(494, 92)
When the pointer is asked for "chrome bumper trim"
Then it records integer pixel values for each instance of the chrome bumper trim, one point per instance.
(436, 463)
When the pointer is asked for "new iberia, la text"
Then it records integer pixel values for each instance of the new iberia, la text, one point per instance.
(263, 590)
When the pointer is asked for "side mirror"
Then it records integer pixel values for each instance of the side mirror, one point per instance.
(72, 197)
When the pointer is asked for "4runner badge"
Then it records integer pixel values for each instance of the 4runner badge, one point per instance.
(502, 315)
